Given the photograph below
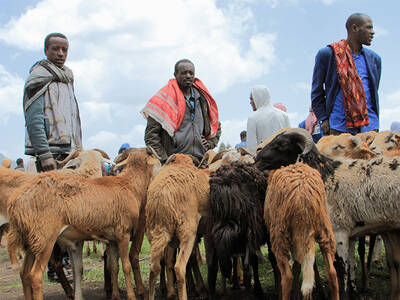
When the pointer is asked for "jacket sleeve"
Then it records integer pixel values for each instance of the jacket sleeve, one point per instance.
(35, 126)
(251, 135)
(213, 142)
(318, 96)
(152, 138)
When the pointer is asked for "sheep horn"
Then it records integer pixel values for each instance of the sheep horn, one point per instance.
(72, 155)
(245, 151)
(307, 142)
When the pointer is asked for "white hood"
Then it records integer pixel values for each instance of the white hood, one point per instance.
(261, 96)
(266, 120)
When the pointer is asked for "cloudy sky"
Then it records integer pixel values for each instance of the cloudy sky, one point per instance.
(123, 51)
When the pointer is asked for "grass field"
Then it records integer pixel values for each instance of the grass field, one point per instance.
(93, 274)
(379, 279)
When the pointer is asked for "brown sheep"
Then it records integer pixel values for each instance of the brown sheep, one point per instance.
(176, 200)
(344, 145)
(296, 215)
(70, 209)
(385, 141)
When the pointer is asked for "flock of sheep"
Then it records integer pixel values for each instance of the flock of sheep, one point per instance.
(289, 196)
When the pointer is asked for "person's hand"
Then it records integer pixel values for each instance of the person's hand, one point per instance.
(325, 126)
(205, 143)
(48, 164)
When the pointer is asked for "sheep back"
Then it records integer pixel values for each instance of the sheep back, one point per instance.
(295, 207)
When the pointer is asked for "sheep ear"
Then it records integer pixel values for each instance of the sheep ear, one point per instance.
(397, 138)
(170, 159)
(245, 151)
(103, 153)
(72, 155)
(355, 141)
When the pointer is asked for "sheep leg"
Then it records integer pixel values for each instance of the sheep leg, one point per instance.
(112, 288)
(56, 263)
(296, 269)
(318, 283)
(212, 266)
(170, 254)
(158, 244)
(257, 284)
(36, 273)
(87, 248)
(191, 286)
(136, 246)
(186, 248)
(330, 271)
(277, 274)
(24, 274)
(392, 246)
(77, 269)
(237, 269)
(361, 254)
(286, 277)
(341, 262)
(123, 247)
(352, 269)
(94, 247)
(193, 262)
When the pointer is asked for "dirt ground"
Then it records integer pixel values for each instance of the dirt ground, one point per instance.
(11, 287)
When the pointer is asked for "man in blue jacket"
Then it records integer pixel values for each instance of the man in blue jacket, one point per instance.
(345, 81)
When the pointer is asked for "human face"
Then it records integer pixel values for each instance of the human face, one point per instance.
(185, 75)
(252, 103)
(57, 51)
(365, 32)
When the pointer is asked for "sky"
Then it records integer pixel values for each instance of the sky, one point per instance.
(123, 51)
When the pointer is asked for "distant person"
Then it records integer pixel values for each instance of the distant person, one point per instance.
(395, 127)
(345, 81)
(266, 119)
(20, 165)
(6, 163)
(183, 116)
(280, 106)
(123, 147)
(243, 137)
(312, 125)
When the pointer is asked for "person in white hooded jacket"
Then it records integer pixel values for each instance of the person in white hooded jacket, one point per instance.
(266, 119)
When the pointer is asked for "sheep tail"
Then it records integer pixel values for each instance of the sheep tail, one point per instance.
(225, 234)
(308, 273)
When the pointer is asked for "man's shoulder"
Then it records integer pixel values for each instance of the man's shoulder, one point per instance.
(371, 53)
(325, 52)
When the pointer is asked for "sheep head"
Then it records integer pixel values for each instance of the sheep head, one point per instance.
(291, 146)
(284, 149)
(180, 159)
(344, 145)
(385, 141)
(137, 158)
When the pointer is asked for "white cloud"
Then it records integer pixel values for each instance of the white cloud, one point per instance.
(11, 90)
(121, 41)
(121, 54)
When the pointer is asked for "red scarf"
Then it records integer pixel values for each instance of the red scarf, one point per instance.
(355, 104)
(168, 106)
